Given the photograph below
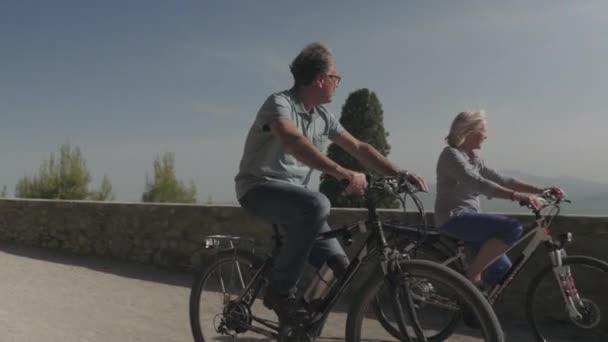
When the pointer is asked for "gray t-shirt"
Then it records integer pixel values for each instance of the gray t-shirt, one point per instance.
(461, 181)
(265, 158)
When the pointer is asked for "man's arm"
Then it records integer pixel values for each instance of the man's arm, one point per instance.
(366, 154)
(303, 150)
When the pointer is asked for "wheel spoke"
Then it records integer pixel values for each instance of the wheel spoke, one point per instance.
(436, 307)
(216, 312)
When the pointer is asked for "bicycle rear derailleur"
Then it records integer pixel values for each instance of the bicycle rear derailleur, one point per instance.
(235, 319)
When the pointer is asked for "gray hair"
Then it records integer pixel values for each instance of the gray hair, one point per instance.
(464, 124)
(314, 59)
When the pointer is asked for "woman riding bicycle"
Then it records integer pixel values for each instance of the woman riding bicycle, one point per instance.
(462, 176)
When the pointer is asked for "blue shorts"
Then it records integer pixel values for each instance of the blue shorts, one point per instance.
(476, 228)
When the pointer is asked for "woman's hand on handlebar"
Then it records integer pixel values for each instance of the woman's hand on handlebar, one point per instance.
(529, 200)
(555, 192)
(415, 180)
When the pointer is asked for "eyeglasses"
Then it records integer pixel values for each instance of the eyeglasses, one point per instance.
(335, 78)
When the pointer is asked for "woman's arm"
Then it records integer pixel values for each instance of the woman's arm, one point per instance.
(516, 190)
(454, 163)
(518, 185)
(509, 182)
(534, 189)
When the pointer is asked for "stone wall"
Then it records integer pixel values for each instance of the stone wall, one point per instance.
(169, 235)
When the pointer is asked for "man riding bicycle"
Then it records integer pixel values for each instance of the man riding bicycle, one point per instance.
(287, 140)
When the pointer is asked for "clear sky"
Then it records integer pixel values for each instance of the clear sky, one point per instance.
(127, 80)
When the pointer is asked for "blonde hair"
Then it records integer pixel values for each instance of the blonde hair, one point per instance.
(464, 124)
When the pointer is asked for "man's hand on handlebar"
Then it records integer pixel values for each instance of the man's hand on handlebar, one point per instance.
(357, 183)
(415, 180)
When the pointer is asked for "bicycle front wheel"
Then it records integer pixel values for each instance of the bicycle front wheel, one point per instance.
(215, 314)
(447, 319)
(552, 319)
(433, 288)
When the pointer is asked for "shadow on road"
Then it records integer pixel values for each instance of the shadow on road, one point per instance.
(100, 264)
(516, 329)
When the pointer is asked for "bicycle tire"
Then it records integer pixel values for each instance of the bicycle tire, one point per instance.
(250, 264)
(423, 252)
(466, 292)
(542, 287)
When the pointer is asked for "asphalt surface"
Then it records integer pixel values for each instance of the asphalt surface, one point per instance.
(50, 296)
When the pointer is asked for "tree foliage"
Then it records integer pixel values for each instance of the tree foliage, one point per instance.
(65, 177)
(363, 117)
(105, 191)
(164, 185)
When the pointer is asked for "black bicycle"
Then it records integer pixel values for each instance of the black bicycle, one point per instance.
(225, 296)
(564, 300)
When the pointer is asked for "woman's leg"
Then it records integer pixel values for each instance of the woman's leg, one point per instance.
(488, 251)
(494, 273)
(495, 233)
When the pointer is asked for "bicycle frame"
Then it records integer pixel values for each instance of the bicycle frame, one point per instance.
(375, 242)
(540, 233)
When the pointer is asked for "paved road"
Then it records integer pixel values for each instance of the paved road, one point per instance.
(47, 296)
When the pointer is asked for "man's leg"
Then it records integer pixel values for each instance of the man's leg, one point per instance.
(329, 251)
(304, 212)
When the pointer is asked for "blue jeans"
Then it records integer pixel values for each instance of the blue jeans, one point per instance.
(476, 228)
(305, 213)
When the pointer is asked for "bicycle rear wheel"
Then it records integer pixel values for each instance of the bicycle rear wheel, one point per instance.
(548, 313)
(434, 288)
(214, 312)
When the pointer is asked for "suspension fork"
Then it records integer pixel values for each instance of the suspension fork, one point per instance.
(566, 283)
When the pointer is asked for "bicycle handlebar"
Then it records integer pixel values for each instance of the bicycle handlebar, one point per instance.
(550, 199)
(397, 185)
